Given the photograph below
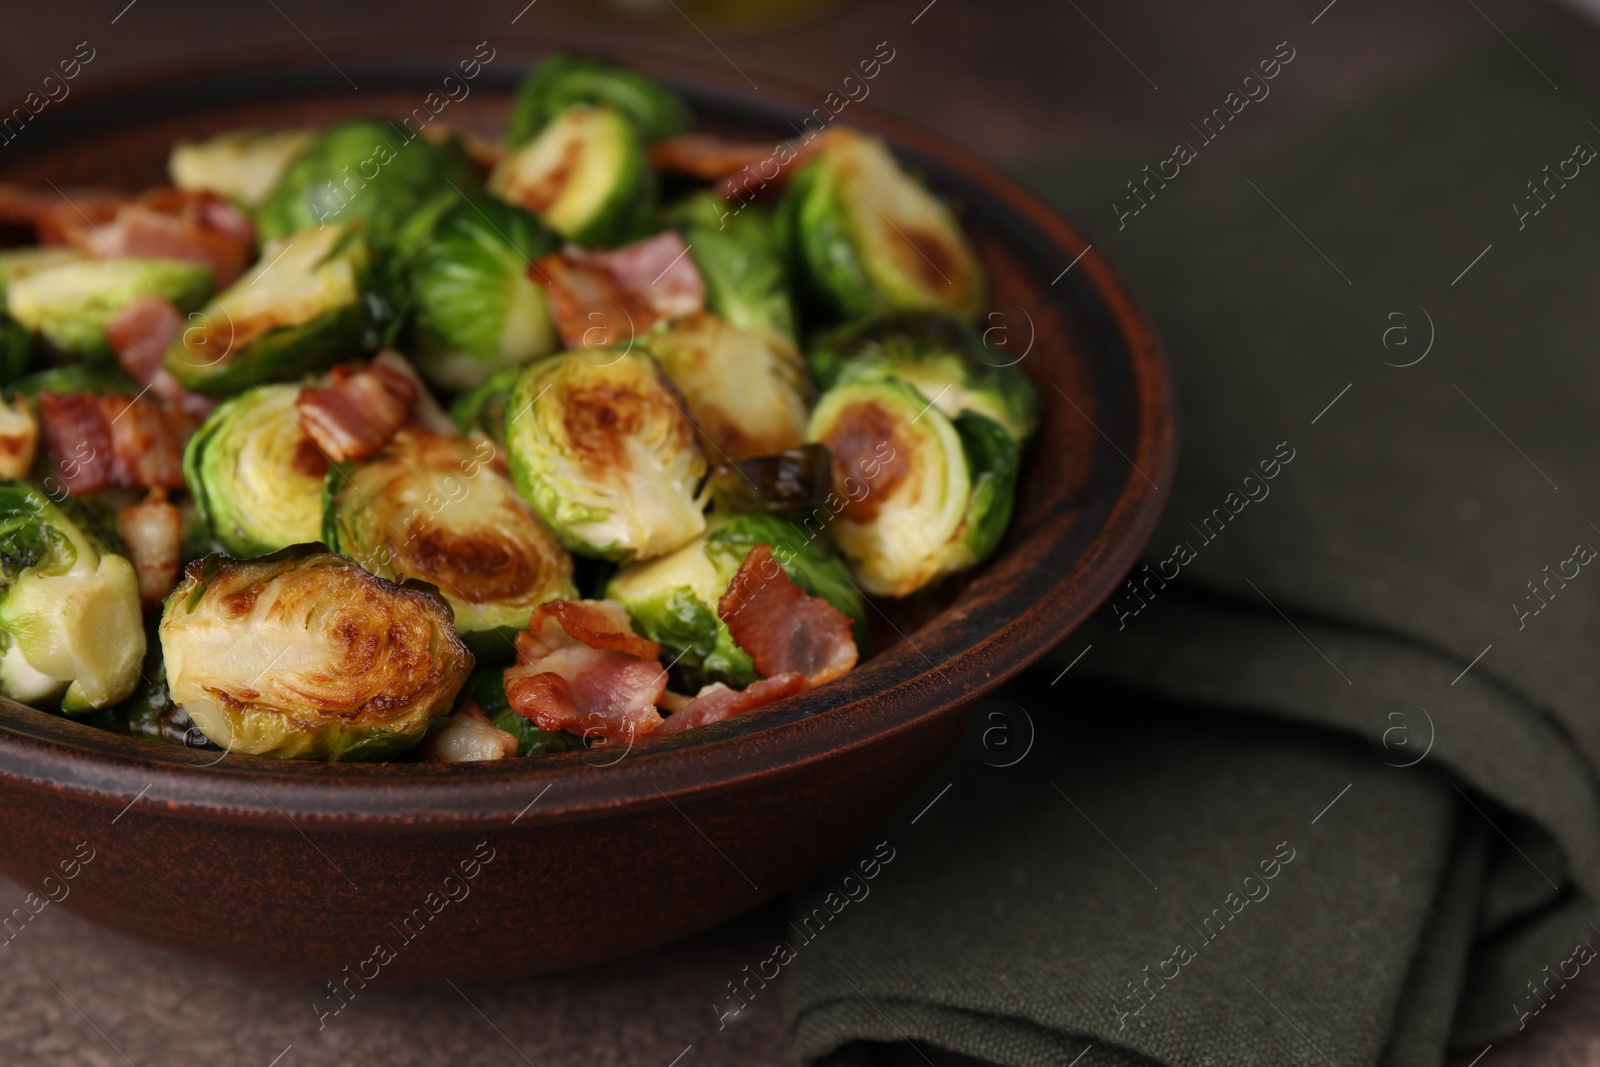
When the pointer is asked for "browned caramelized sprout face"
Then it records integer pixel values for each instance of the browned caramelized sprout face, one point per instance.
(302, 654)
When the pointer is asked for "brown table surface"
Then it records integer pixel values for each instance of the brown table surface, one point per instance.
(1007, 79)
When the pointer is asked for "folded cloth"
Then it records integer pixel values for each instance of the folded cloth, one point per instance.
(1322, 787)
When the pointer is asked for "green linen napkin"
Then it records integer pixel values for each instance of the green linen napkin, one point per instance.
(1321, 788)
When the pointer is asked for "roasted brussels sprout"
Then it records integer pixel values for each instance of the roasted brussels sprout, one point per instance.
(790, 484)
(362, 169)
(302, 654)
(16, 351)
(585, 175)
(867, 236)
(69, 304)
(917, 496)
(256, 477)
(102, 379)
(149, 713)
(746, 278)
(483, 410)
(16, 263)
(436, 509)
(941, 357)
(673, 600)
(746, 389)
(309, 302)
(600, 446)
(242, 165)
(561, 81)
(487, 688)
(69, 613)
(476, 307)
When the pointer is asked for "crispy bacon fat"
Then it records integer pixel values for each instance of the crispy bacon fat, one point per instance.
(717, 702)
(601, 299)
(357, 412)
(581, 668)
(196, 227)
(740, 168)
(783, 628)
(100, 442)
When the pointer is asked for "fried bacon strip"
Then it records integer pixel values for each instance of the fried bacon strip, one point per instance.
(196, 227)
(52, 214)
(607, 298)
(581, 668)
(782, 628)
(716, 701)
(741, 169)
(140, 335)
(99, 442)
(358, 411)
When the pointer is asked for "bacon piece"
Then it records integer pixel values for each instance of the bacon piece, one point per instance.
(740, 168)
(602, 624)
(580, 667)
(705, 156)
(358, 412)
(141, 333)
(196, 227)
(152, 534)
(469, 736)
(425, 412)
(782, 628)
(19, 438)
(54, 214)
(607, 298)
(97, 442)
(716, 701)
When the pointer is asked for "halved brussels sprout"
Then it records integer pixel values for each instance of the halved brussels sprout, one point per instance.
(561, 81)
(308, 303)
(483, 410)
(918, 496)
(673, 600)
(16, 351)
(242, 165)
(256, 477)
(600, 446)
(363, 169)
(790, 484)
(941, 357)
(16, 263)
(585, 175)
(487, 687)
(69, 304)
(149, 713)
(102, 379)
(870, 237)
(746, 389)
(477, 309)
(746, 278)
(437, 509)
(304, 655)
(69, 614)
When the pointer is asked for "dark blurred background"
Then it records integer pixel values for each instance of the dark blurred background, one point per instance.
(1019, 82)
(1010, 80)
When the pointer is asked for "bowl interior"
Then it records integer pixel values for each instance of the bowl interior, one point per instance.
(1087, 500)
